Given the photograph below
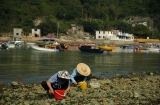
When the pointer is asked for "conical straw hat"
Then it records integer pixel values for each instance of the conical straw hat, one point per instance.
(83, 69)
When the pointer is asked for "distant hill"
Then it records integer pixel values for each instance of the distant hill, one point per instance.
(91, 14)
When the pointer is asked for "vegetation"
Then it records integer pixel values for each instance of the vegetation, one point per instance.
(91, 14)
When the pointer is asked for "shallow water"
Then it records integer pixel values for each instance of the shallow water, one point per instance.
(34, 66)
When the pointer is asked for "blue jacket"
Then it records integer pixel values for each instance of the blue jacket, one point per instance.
(75, 73)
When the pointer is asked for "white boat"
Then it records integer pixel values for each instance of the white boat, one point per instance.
(47, 40)
(43, 48)
(152, 49)
(30, 43)
(11, 44)
(3, 45)
(18, 42)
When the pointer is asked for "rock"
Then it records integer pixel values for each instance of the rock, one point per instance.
(14, 83)
(106, 81)
(142, 89)
(136, 95)
(7, 99)
(0, 96)
(93, 83)
(1, 83)
(151, 74)
(135, 79)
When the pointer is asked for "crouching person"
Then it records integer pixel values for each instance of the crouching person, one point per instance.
(81, 73)
(59, 81)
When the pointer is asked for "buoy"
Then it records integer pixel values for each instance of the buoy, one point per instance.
(104, 52)
(147, 53)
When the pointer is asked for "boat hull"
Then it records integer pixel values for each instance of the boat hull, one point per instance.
(106, 48)
(44, 49)
(90, 49)
(127, 47)
(152, 49)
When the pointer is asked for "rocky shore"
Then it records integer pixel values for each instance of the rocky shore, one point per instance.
(133, 89)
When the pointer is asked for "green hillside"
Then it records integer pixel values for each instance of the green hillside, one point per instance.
(91, 14)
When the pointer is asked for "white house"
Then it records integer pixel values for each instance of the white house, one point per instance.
(114, 35)
(17, 33)
(36, 32)
(103, 34)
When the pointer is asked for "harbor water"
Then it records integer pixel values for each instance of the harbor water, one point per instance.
(30, 66)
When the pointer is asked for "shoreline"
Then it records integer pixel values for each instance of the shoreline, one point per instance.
(133, 89)
(73, 41)
(81, 41)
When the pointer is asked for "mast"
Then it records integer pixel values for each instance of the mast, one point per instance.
(57, 29)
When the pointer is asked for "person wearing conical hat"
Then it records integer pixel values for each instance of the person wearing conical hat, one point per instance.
(59, 81)
(80, 73)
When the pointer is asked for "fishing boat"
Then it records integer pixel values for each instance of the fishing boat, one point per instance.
(106, 48)
(150, 47)
(3, 45)
(55, 47)
(139, 47)
(47, 40)
(36, 47)
(90, 48)
(11, 44)
(127, 47)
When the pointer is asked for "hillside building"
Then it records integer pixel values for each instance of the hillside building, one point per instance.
(114, 35)
(36, 32)
(17, 33)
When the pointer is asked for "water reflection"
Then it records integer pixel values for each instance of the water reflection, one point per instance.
(34, 66)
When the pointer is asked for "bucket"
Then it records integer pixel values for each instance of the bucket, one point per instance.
(83, 85)
(59, 94)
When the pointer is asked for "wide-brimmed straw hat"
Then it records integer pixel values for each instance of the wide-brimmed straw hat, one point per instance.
(83, 69)
(64, 74)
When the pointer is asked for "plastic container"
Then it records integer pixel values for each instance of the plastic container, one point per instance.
(59, 94)
(83, 85)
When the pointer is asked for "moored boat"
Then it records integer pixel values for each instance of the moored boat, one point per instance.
(11, 44)
(150, 47)
(54, 47)
(36, 47)
(90, 48)
(3, 45)
(127, 47)
(139, 47)
(107, 48)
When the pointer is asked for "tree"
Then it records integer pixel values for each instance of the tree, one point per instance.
(141, 31)
(124, 27)
(90, 27)
(68, 10)
(47, 27)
